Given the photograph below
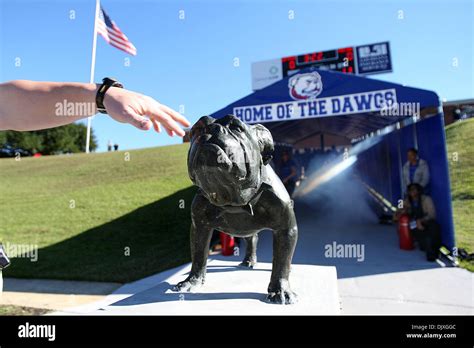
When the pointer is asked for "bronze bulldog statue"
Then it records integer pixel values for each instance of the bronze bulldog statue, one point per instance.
(240, 194)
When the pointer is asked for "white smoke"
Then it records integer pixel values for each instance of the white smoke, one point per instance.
(333, 191)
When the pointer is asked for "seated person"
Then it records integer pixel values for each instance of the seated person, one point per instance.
(423, 226)
(415, 170)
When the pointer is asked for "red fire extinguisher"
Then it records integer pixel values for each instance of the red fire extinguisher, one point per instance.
(227, 243)
(406, 240)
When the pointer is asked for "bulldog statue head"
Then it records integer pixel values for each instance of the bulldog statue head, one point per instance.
(226, 159)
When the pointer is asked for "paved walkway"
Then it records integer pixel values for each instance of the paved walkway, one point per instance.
(388, 280)
(53, 294)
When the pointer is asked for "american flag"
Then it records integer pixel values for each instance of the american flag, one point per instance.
(107, 28)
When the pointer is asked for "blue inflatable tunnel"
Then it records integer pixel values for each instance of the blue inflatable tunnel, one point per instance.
(314, 102)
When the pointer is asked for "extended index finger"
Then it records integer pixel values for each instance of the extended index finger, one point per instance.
(166, 120)
(175, 115)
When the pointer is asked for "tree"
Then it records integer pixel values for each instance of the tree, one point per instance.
(70, 138)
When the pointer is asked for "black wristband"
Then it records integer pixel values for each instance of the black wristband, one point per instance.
(99, 98)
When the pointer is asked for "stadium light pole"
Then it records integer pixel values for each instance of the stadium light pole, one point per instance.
(92, 72)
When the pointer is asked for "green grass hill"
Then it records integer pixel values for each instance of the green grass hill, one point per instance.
(460, 141)
(106, 217)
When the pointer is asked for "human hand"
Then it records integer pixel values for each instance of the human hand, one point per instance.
(419, 225)
(396, 215)
(143, 112)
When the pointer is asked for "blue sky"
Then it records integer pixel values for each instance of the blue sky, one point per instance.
(190, 62)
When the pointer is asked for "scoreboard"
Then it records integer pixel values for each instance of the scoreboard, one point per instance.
(365, 59)
(341, 59)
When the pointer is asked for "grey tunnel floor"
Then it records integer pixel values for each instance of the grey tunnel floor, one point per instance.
(387, 280)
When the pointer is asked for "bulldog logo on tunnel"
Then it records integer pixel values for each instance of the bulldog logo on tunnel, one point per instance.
(305, 86)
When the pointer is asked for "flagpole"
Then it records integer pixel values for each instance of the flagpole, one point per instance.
(91, 79)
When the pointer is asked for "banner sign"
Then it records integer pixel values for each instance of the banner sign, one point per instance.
(347, 104)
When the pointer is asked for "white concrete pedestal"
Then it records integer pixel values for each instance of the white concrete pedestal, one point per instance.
(229, 290)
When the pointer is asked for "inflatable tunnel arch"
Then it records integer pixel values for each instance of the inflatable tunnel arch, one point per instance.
(315, 102)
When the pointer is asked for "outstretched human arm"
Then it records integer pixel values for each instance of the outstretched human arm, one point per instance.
(31, 105)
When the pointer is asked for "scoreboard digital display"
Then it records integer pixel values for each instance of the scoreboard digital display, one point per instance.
(340, 60)
(363, 60)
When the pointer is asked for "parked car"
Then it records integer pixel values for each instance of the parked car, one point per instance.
(6, 150)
